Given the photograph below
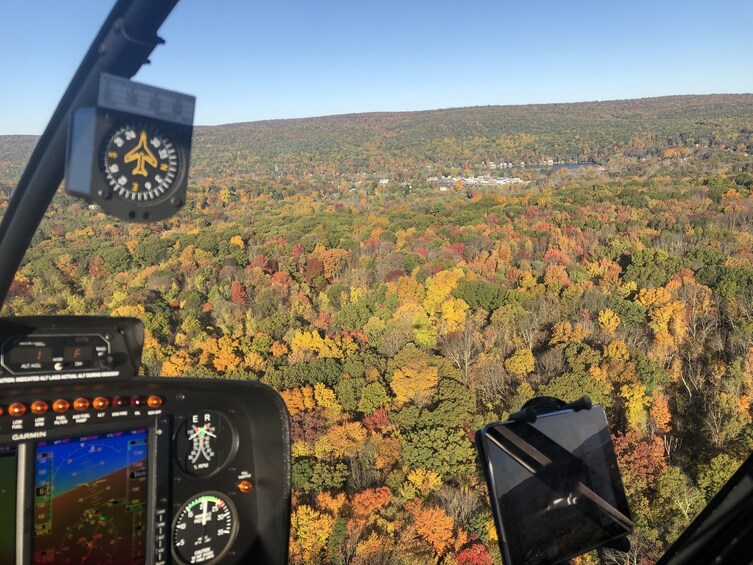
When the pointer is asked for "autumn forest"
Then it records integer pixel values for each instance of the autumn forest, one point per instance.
(397, 311)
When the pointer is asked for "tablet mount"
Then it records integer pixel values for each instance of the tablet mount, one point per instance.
(554, 483)
(546, 405)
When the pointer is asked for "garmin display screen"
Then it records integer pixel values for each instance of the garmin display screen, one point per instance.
(90, 496)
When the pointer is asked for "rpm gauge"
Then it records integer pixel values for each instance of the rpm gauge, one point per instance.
(205, 442)
(204, 529)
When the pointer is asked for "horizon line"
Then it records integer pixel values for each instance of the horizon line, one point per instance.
(428, 110)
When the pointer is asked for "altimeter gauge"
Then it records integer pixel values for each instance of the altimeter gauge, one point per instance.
(204, 529)
(140, 162)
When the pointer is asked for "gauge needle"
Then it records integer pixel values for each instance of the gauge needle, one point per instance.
(204, 512)
(195, 433)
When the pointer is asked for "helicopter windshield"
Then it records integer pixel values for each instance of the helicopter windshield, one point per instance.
(402, 274)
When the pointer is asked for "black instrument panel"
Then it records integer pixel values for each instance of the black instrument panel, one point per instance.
(35, 349)
(128, 469)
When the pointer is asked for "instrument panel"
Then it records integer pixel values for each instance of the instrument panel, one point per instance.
(128, 469)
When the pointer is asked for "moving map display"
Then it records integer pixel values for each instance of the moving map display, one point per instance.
(90, 498)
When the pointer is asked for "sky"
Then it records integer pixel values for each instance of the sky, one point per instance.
(248, 60)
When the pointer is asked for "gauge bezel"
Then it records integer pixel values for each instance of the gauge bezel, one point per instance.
(233, 527)
(90, 133)
(180, 436)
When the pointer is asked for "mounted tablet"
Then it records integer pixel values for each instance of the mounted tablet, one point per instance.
(555, 488)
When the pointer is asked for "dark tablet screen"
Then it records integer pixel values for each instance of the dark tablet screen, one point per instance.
(556, 489)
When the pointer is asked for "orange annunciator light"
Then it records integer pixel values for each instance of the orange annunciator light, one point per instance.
(154, 401)
(81, 404)
(17, 409)
(39, 407)
(61, 405)
(100, 403)
(245, 486)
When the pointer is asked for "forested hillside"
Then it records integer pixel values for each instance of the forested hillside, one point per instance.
(464, 137)
(397, 314)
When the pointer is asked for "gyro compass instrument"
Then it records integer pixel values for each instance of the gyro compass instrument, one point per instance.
(130, 153)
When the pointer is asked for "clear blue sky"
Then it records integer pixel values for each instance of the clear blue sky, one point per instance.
(250, 60)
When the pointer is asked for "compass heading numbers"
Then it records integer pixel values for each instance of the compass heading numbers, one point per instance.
(140, 163)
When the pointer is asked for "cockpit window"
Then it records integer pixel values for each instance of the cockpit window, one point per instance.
(463, 228)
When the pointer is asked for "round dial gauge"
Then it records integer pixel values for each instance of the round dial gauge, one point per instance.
(140, 163)
(205, 442)
(204, 529)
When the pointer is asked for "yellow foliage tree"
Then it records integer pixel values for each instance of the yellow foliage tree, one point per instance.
(67, 266)
(326, 398)
(254, 362)
(408, 290)
(177, 364)
(306, 345)
(225, 358)
(453, 314)
(367, 549)
(565, 332)
(330, 503)
(238, 242)
(521, 362)
(402, 236)
(414, 381)
(439, 287)
(636, 402)
(301, 448)
(608, 321)
(616, 351)
(668, 321)
(651, 297)
(425, 481)
(310, 531)
(599, 374)
(344, 440)
(299, 399)
(333, 260)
